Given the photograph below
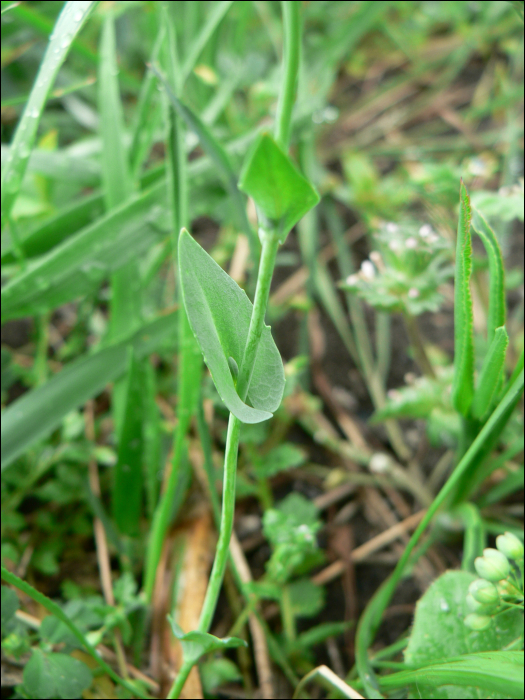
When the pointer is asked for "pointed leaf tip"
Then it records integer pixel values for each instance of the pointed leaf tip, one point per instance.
(281, 193)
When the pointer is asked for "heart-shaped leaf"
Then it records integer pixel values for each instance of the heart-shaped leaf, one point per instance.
(281, 194)
(219, 313)
(196, 644)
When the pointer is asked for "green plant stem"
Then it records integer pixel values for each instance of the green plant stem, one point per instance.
(291, 56)
(270, 244)
(228, 508)
(371, 618)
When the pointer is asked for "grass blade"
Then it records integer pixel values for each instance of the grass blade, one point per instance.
(68, 24)
(463, 383)
(38, 412)
(491, 374)
(218, 155)
(127, 485)
(216, 15)
(499, 672)
(81, 262)
(496, 315)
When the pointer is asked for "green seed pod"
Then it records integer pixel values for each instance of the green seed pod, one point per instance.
(483, 591)
(509, 545)
(493, 565)
(477, 622)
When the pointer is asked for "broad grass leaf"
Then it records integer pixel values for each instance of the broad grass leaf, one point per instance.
(281, 194)
(496, 674)
(491, 375)
(83, 261)
(439, 633)
(68, 24)
(38, 412)
(196, 644)
(463, 383)
(496, 314)
(219, 313)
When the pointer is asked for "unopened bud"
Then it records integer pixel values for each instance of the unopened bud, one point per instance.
(477, 622)
(493, 565)
(509, 545)
(483, 591)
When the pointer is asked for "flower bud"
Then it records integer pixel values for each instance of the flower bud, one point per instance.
(477, 622)
(482, 608)
(472, 604)
(509, 545)
(483, 591)
(493, 565)
(508, 591)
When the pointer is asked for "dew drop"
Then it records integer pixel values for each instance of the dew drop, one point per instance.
(443, 605)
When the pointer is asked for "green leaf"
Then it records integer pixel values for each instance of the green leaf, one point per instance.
(307, 598)
(496, 314)
(285, 456)
(442, 610)
(463, 384)
(219, 313)
(281, 194)
(10, 605)
(55, 676)
(499, 673)
(196, 644)
(68, 24)
(216, 672)
(127, 485)
(57, 611)
(38, 412)
(116, 178)
(491, 374)
(81, 262)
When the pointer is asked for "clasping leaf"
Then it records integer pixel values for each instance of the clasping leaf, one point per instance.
(281, 194)
(219, 313)
(196, 644)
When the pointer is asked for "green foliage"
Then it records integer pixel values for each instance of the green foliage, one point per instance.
(36, 414)
(463, 383)
(281, 194)
(291, 528)
(55, 675)
(439, 633)
(219, 313)
(196, 644)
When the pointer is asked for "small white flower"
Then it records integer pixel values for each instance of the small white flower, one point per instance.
(391, 227)
(379, 463)
(411, 242)
(394, 245)
(425, 230)
(368, 270)
(352, 280)
(413, 293)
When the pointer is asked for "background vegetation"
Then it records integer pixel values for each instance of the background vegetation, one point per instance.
(108, 405)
